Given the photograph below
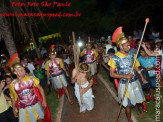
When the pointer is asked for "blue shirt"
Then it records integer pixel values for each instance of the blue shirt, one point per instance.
(43, 52)
(148, 63)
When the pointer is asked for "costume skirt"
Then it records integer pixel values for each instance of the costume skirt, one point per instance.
(93, 67)
(31, 113)
(59, 81)
(133, 95)
(88, 103)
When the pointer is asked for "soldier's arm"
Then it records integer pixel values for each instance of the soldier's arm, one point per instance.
(114, 74)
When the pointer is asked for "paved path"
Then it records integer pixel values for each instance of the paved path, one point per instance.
(105, 109)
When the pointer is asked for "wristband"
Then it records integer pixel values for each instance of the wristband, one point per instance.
(140, 71)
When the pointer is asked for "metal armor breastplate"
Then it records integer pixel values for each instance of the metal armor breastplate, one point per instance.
(25, 92)
(124, 65)
(89, 56)
(55, 68)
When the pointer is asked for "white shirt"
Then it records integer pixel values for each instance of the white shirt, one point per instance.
(30, 67)
(108, 46)
(43, 65)
(67, 60)
(156, 35)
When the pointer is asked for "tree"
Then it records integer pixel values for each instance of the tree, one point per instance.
(24, 24)
(6, 34)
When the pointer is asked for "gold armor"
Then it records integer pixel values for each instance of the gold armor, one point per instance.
(89, 42)
(14, 62)
(16, 66)
(52, 50)
(121, 39)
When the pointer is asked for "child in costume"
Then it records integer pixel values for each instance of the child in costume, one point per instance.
(85, 79)
(22, 88)
(91, 58)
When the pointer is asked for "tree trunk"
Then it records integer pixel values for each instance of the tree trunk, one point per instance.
(33, 38)
(7, 36)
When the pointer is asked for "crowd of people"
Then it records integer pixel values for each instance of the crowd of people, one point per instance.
(24, 78)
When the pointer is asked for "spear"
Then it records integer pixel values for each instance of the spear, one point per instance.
(76, 51)
(146, 22)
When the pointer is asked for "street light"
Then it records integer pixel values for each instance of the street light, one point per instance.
(80, 44)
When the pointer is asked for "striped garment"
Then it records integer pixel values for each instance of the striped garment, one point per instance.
(133, 95)
(59, 81)
(31, 113)
(93, 67)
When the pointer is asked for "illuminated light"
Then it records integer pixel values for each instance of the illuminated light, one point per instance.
(80, 44)
(50, 37)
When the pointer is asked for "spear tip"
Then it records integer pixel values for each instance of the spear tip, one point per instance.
(147, 20)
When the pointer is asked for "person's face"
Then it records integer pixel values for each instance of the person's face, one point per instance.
(89, 47)
(82, 74)
(130, 38)
(8, 81)
(20, 72)
(158, 44)
(147, 45)
(125, 47)
(35, 59)
(142, 53)
(64, 56)
(135, 33)
(95, 45)
(2, 83)
(3, 66)
(138, 43)
(110, 54)
(25, 60)
(52, 57)
(37, 67)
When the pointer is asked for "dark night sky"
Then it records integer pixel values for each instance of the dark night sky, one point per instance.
(103, 16)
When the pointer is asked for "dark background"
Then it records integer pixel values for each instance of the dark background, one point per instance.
(99, 18)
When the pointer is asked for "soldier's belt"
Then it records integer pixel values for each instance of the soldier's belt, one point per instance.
(90, 62)
(57, 74)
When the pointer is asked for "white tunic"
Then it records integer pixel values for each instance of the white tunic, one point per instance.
(88, 103)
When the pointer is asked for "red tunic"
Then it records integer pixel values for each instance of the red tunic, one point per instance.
(89, 56)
